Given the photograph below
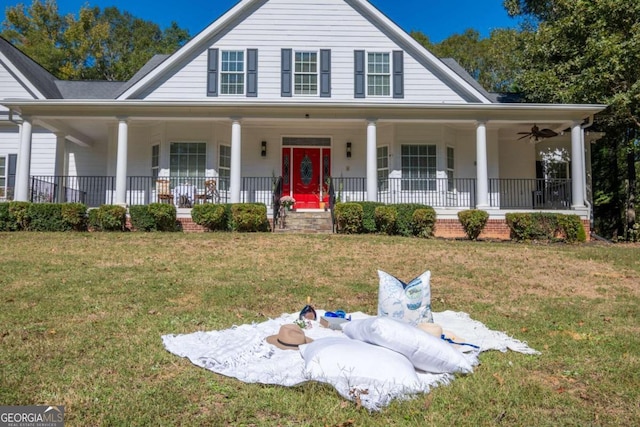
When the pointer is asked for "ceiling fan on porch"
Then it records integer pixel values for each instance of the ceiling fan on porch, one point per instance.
(536, 134)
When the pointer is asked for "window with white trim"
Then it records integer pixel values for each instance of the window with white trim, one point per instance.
(232, 72)
(450, 169)
(155, 161)
(378, 74)
(188, 159)
(383, 167)
(306, 73)
(418, 167)
(3, 177)
(224, 167)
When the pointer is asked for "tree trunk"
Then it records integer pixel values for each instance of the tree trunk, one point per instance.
(631, 188)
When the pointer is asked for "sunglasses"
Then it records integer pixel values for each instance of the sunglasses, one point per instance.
(338, 313)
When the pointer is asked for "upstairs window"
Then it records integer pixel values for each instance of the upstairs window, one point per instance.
(306, 73)
(378, 74)
(232, 72)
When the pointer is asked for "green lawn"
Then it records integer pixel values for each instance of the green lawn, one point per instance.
(82, 316)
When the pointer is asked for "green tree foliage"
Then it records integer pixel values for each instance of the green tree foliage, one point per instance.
(96, 45)
(492, 61)
(588, 51)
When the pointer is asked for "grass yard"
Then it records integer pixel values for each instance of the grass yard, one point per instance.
(82, 316)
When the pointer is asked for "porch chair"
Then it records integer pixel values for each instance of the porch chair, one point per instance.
(163, 191)
(210, 192)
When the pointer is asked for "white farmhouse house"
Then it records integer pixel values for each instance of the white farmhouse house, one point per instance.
(305, 94)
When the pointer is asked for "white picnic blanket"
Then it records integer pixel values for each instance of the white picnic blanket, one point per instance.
(242, 352)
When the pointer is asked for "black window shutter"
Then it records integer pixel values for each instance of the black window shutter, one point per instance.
(11, 178)
(212, 73)
(325, 73)
(252, 72)
(398, 74)
(286, 74)
(359, 72)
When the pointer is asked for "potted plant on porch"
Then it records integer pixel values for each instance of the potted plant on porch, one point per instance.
(287, 202)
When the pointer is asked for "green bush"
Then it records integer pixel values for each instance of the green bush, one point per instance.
(386, 219)
(212, 216)
(404, 220)
(249, 217)
(164, 216)
(423, 222)
(7, 220)
(349, 217)
(108, 218)
(20, 212)
(75, 216)
(369, 216)
(473, 222)
(546, 227)
(141, 218)
(46, 217)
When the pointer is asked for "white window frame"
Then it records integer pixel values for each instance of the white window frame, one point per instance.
(374, 71)
(421, 172)
(231, 71)
(155, 161)
(450, 168)
(3, 176)
(224, 166)
(191, 171)
(300, 71)
(382, 166)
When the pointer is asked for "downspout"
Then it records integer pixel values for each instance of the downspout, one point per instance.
(587, 202)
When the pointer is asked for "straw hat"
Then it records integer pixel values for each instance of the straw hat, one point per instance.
(289, 337)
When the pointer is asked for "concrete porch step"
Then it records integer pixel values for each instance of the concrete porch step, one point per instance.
(306, 222)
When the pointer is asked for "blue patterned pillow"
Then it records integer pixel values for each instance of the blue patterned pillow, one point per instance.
(409, 302)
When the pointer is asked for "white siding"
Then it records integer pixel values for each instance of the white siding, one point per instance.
(10, 87)
(42, 148)
(308, 25)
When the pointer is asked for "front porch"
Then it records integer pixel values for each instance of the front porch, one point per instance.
(185, 192)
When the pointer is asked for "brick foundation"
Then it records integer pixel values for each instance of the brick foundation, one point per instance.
(495, 229)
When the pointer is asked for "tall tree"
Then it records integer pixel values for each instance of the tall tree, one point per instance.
(588, 51)
(105, 45)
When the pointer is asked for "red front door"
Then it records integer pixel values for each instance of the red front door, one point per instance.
(304, 171)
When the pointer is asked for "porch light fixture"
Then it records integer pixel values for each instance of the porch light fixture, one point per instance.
(348, 150)
(263, 153)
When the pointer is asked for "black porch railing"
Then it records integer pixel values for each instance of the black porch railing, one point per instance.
(457, 193)
(550, 194)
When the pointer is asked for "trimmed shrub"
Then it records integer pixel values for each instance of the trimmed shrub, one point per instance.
(141, 218)
(545, 226)
(249, 217)
(404, 220)
(423, 221)
(369, 216)
(108, 218)
(386, 219)
(20, 212)
(164, 216)
(7, 220)
(46, 217)
(212, 216)
(349, 217)
(74, 216)
(473, 222)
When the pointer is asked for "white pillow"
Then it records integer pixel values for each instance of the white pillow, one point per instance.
(355, 363)
(409, 302)
(425, 351)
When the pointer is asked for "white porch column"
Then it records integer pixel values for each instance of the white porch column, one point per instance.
(60, 171)
(236, 161)
(21, 193)
(372, 167)
(482, 176)
(121, 165)
(577, 169)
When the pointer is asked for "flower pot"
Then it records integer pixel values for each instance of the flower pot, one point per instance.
(323, 206)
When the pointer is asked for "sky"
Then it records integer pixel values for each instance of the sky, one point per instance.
(438, 19)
